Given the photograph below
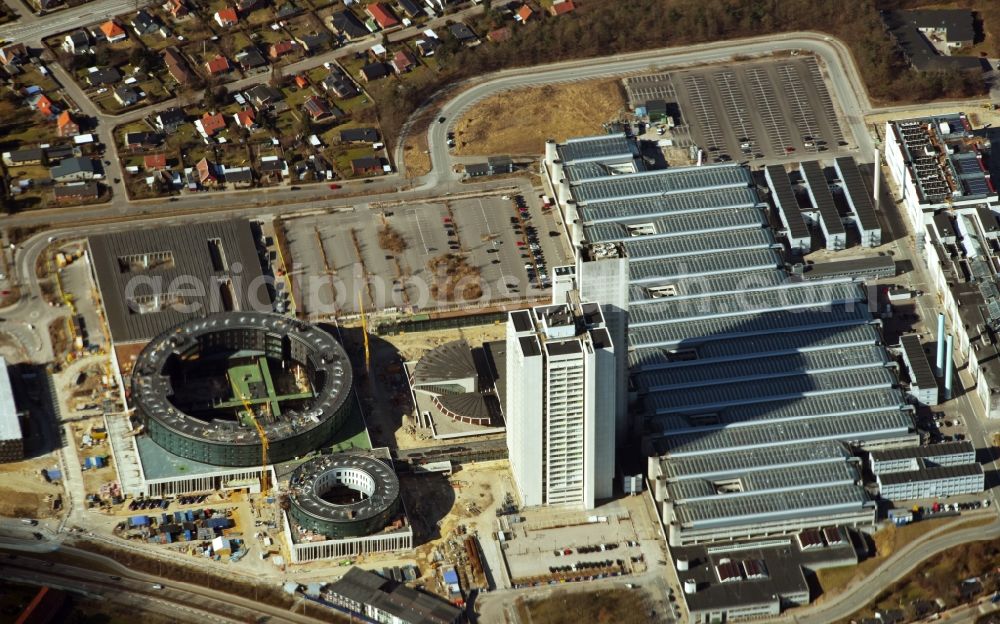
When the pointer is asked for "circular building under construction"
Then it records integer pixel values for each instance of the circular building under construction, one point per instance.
(223, 389)
(344, 495)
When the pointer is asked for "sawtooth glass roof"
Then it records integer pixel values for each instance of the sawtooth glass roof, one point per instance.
(778, 388)
(713, 242)
(753, 346)
(768, 481)
(596, 148)
(784, 298)
(767, 367)
(679, 225)
(703, 285)
(747, 509)
(805, 319)
(705, 466)
(710, 264)
(659, 182)
(850, 427)
(663, 205)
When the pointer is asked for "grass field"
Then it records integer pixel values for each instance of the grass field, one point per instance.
(518, 122)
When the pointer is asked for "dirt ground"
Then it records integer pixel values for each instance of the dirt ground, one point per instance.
(412, 346)
(415, 157)
(23, 491)
(518, 122)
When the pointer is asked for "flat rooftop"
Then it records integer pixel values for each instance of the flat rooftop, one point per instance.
(10, 425)
(153, 278)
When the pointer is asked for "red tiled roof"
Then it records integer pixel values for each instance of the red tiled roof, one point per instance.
(44, 105)
(301, 81)
(499, 35)
(217, 65)
(155, 161)
(111, 29)
(281, 47)
(213, 123)
(381, 14)
(562, 8)
(524, 13)
(228, 15)
(245, 117)
(64, 119)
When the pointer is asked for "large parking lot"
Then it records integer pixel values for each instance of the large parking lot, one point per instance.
(750, 110)
(419, 257)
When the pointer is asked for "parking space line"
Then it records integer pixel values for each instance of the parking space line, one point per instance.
(704, 111)
(763, 91)
(736, 107)
(802, 112)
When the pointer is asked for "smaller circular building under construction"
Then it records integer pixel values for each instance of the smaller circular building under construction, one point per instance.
(214, 389)
(344, 495)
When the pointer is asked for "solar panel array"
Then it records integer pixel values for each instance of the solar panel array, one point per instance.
(860, 200)
(784, 200)
(820, 192)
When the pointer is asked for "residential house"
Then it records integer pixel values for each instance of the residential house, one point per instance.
(126, 95)
(382, 15)
(142, 140)
(410, 8)
(14, 53)
(427, 46)
(953, 26)
(403, 62)
(301, 81)
(273, 169)
(463, 33)
(65, 126)
(169, 120)
(21, 157)
(374, 71)
(218, 66)
(314, 43)
(112, 32)
(55, 153)
(103, 76)
(348, 25)
(286, 10)
(206, 172)
(246, 118)
(359, 135)
(177, 66)
(250, 59)
(378, 52)
(227, 17)
(145, 24)
(523, 14)
(562, 7)
(73, 169)
(499, 35)
(77, 191)
(317, 107)
(176, 8)
(41, 103)
(263, 96)
(154, 162)
(279, 49)
(339, 84)
(213, 123)
(366, 166)
(238, 177)
(77, 42)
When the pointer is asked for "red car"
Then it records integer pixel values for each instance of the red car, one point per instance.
(334, 187)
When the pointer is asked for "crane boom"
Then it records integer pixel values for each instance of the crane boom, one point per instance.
(264, 442)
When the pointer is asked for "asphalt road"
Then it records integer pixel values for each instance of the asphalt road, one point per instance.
(190, 601)
(845, 83)
(31, 28)
(895, 568)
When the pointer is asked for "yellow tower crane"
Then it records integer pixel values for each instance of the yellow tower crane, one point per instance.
(265, 487)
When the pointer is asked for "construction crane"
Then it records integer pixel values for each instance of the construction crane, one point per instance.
(264, 442)
(364, 332)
